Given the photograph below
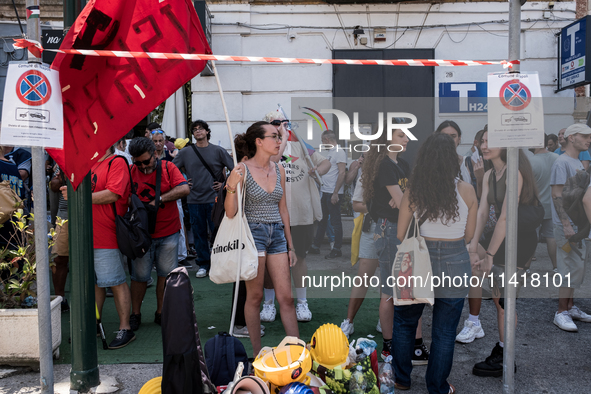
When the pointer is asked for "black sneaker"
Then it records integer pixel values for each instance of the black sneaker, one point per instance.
(158, 318)
(108, 292)
(420, 355)
(191, 252)
(313, 250)
(65, 306)
(135, 320)
(493, 365)
(333, 254)
(149, 283)
(185, 263)
(122, 339)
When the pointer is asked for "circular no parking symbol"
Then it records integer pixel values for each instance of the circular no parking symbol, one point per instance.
(514, 95)
(33, 88)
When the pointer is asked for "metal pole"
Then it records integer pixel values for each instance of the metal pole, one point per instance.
(512, 208)
(84, 373)
(40, 225)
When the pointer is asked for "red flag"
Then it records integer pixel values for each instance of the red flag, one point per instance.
(104, 97)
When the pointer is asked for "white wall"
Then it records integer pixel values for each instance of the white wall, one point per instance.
(253, 89)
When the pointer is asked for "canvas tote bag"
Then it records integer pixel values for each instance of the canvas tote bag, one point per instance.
(226, 254)
(412, 270)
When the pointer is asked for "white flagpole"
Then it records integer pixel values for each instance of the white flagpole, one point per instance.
(217, 79)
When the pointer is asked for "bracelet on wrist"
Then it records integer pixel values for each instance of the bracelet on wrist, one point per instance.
(230, 190)
(490, 254)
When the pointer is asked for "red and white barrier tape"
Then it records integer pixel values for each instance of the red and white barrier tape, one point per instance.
(21, 43)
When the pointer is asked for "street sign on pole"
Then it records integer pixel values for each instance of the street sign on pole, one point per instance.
(574, 42)
(515, 111)
(32, 114)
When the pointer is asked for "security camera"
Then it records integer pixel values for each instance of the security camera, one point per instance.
(291, 36)
(551, 4)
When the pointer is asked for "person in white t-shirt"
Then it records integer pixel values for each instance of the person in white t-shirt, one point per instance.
(332, 193)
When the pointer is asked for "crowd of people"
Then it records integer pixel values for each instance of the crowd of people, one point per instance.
(293, 200)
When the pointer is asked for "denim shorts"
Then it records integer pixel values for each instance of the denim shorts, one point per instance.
(367, 247)
(451, 264)
(386, 246)
(269, 238)
(163, 253)
(108, 267)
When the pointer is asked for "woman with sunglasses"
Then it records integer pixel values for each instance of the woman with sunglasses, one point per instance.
(268, 218)
(159, 140)
(303, 211)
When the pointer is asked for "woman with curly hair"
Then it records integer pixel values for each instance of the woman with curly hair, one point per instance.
(268, 218)
(384, 180)
(446, 208)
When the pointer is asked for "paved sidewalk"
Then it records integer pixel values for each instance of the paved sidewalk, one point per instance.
(549, 360)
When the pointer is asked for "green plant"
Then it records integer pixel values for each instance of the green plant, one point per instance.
(18, 264)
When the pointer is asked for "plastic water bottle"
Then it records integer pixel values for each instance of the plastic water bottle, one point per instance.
(386, 376)
(357, 384)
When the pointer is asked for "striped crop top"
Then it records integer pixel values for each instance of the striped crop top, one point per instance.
(261, 206)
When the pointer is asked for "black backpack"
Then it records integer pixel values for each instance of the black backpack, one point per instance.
(184, 370)
(222, 355)
(133, 237)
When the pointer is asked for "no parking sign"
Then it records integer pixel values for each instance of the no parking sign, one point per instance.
(32, 113)
(515, 111)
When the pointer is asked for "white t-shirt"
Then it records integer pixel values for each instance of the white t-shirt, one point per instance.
(563, 168)
(302, 198)
(329, 180)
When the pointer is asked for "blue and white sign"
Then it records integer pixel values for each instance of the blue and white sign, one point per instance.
(572, 54)
(462, 97)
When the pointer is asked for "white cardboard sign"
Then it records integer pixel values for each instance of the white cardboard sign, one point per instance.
(515, 111)
(32, 111)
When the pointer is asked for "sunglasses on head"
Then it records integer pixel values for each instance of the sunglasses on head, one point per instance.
(158, 131)
(277, 122)
(144, 162)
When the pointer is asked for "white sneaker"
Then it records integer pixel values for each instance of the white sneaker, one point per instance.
(379, 326)
(470, 332)
(303, 312)
(577, 314)
(242, 332)
(565, 322)
(201, 273)
(269, 312)
(347, 327)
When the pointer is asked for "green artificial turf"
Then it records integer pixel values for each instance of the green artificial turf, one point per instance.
(212, 309)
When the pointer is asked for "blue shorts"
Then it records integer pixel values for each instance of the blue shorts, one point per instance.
(269, 238)
(163, 253)
(108, 268)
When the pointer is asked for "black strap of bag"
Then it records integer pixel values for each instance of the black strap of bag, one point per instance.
(207, 167)
(153, 209)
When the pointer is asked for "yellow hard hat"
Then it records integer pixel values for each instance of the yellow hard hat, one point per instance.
(152, 386)
(329, 346)
(289, 362)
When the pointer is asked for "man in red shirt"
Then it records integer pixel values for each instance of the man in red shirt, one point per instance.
(165, 238)
(110, 189)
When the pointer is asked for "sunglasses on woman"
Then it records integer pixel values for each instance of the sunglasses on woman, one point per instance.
(277, 122)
